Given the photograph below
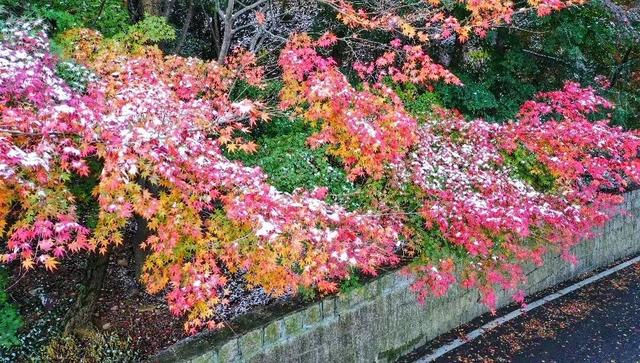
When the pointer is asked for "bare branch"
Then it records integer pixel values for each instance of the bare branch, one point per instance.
(185, 28)
(248, 8)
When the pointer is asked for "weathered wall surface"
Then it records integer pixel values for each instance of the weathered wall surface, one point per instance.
(382, 320)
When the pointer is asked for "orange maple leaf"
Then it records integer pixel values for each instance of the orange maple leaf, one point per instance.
(50, 263)
(28, 264)
(249, 147)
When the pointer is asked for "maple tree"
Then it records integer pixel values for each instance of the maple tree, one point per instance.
(368, 129)
(471, 193)
(160, 127)
(164, 120)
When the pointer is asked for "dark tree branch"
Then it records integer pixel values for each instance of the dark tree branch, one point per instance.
(248, 8)
(619, 67)
(100, 10)
(546, 56)
(185, 28)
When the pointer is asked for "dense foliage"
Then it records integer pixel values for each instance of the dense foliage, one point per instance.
(511, 64)
(109, 17)
(10, 320)
(290, 164)
(308, 242)
(359, 166)
(469, 192)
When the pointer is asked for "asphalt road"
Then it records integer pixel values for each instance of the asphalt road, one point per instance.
(598, 323)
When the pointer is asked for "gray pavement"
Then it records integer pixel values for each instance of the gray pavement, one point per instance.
(598, 323)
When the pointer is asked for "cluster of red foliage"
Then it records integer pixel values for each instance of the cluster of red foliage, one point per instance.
(476, 199)
(471, 194)
(433, 20)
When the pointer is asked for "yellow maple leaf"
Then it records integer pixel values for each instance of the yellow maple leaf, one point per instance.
(50, 263)
(408, 30)
(249, 147)
(27, 264)
(224, 139)
(232, 147)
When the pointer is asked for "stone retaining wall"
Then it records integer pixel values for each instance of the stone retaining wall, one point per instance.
(382, 320)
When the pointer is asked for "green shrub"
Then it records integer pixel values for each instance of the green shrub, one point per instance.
(307, 293)
(473, 98)
(10, 320)
(77, 76)
(528, 168)
(153, 29)
(109, 18)
(351, 283)
(416, 100)
(512, 64)
(290, 163)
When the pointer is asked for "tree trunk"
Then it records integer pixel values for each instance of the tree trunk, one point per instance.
(79, 317)
(134, 10)
(185, 28)
(228, 31)
(139, 8)
(139, 254)
(142, 232)
(214, 27)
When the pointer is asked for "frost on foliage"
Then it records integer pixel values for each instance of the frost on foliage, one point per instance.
(45, 133)
(158, 125)
(472, 195)
(475, 199)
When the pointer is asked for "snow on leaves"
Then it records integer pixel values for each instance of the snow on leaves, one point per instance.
(43, 137)
(158, 126)
(476, 200)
